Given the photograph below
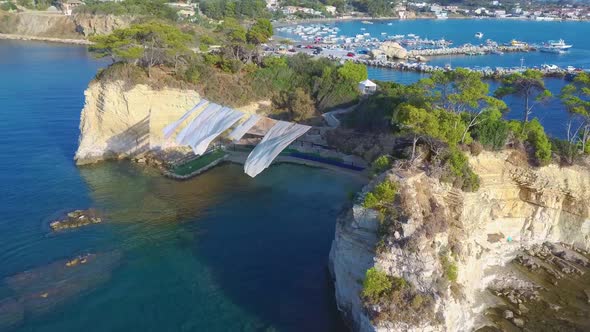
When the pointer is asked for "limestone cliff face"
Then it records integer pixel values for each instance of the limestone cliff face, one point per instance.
(117, 122)
(100, 24)
(516, 207)
(56, 25)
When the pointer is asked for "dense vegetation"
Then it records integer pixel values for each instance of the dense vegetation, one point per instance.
(148, 8)
(243, 9)
(235, 73)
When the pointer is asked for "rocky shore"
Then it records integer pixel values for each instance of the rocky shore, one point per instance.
(45, 39)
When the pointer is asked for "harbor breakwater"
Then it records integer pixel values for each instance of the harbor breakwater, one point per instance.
(466, 49)
(487, 72)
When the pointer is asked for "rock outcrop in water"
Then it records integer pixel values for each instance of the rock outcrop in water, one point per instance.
(517, 207)
(75, 219)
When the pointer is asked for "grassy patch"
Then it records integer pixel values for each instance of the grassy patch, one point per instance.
(196, 164)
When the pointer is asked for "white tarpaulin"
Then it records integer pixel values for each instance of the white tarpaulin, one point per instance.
(215, 125)
(171, 128)
(198, 121)
(243, 128)
(276, 140)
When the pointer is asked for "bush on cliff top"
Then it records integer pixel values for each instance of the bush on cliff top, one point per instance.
(376, 284)
(383, 194)
(397, 298)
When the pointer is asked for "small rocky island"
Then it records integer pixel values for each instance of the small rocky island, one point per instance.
(75, 219)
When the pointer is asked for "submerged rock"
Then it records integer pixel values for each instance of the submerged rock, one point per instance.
(11, 313)
(75, 219)
(40, 290)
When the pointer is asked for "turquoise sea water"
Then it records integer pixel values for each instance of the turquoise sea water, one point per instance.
(221, 252)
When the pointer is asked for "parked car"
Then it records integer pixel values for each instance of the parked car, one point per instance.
(350, 54)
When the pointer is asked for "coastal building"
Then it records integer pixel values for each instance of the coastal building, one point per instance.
(367, 87)
(331, 10)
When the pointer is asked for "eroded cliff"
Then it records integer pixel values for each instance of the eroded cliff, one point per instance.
(477, 233)
(56, 25)
(117, 122)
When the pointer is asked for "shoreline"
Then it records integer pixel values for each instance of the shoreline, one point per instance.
(395, 18)
(4, 36)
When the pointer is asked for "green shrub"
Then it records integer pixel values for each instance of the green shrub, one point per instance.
(417, 301)
(371, 201)
(376, 284)
(566, 151)
(450, 269)
(538, 139)
(458, 170)
(383, 194)
(492, 134)
(380, 164)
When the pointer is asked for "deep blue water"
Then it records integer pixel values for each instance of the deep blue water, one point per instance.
(221, 252)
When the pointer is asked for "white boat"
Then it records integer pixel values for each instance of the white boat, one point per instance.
(560, 44)
(366, 22)
(479, 35)
(390, 23)
(555, 50)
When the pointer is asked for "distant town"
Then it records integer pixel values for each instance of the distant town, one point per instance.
(292, 10)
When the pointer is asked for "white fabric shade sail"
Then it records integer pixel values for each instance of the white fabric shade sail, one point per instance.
(214, 119)
(243, 128)
(198, 121)
(215, 125)
(171, 128)
(279, 137)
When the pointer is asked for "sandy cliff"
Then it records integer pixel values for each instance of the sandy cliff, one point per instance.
(516, 207)
(118, 123)
(56, 25)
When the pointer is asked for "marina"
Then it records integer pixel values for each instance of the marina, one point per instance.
(555, 50)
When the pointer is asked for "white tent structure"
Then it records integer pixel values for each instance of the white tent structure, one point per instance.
(171, 128)
(243, 128)
(276, 140)
(367, 87)
(215, 125)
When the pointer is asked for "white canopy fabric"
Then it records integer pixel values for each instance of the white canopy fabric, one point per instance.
(243, 128)
(276, 140)
(192, 127)
(368, 83)
(214, 126)
(171, 128)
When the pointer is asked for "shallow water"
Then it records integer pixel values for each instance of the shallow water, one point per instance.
(221, 252)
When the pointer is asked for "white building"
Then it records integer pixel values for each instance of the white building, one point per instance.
(331, 10)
